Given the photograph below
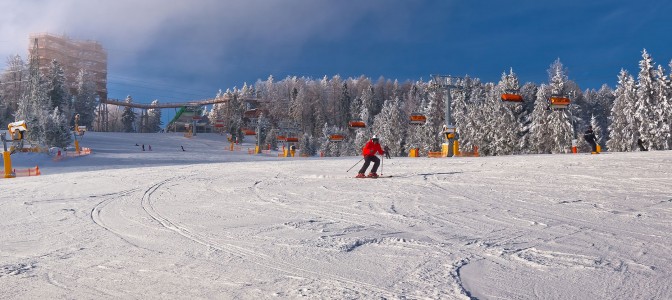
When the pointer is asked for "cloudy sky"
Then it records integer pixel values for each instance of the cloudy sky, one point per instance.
(188, 49)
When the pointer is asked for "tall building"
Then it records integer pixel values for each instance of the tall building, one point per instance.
(73, 55)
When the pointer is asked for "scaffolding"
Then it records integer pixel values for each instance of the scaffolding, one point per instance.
(73, 55)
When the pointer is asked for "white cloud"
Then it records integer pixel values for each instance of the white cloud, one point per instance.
(127, 28)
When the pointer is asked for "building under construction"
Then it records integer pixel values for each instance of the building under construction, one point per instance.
(73, 55)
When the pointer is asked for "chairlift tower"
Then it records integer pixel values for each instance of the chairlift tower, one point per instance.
(446, 83)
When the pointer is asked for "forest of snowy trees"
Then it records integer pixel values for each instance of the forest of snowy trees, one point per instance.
(48, 103)
(637, 109)
(312, 110)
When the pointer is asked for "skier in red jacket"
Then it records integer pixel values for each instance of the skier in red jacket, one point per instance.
(369, 151)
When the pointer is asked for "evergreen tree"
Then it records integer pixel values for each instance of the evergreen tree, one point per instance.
(128, 117)
(623, 133)
(506, 126)
(661, 111)
(552, 130)
(327, 147)
(646, 102)
(430, 132)
(389, 125)
(597, 130)
(14, 82)
(56, 132)
(601, 108)
(85, 100)
(57, 90)
(33, 105)
(154, 118)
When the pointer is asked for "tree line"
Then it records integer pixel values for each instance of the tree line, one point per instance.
(48, 102)
(314, 109)
(637, 110)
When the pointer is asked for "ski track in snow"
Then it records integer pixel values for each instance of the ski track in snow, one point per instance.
(241, 252)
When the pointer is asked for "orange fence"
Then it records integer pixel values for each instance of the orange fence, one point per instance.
(435, 154)
(66, 154)
(27, 172)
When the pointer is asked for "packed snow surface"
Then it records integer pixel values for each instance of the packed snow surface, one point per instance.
(122, 223)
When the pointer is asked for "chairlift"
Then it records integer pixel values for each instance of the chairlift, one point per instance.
(292, 139)
(418, 119)
(281, 138)
(558, 101)
(513, 98)
(248, 131)
(356, 124)
(336, 138)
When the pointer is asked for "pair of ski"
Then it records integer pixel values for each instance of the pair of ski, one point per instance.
(379, 176)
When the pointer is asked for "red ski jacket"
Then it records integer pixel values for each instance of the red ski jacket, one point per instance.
(371, 148)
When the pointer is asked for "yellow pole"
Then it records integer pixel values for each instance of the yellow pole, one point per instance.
(444, 150)
(8, 164)
(456, 148)
(77, 146)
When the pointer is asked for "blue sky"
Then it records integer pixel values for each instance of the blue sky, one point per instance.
(188, 49)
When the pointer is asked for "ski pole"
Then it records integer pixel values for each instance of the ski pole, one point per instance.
(382, 163)
(354, 165)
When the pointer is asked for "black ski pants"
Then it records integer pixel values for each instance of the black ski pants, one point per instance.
(367, 162)
(593, 145)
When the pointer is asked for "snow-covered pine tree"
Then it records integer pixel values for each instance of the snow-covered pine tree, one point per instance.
(366, 112)
(507, 128)
(327, 147)
(154, 118)
(84, 100)
(490, 119)
(14, 82)
(552, 130)
(389, 125)
(622, 131)
(57, 133)
(128, 117)
(34, 105)
(602, 108)
(460, 112)
(430, 137)
(529, 92)
(413, 133)
(662, 109)
(539, 129)
(597, 130)
(470, 133)
(307, 145)
(646, 102)
(362, 135)
(272, 138)
(57, 90)
(233, 115)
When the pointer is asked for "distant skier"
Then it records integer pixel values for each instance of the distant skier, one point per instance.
(182, 148)
(369, 151)
(640, 143)
(387, 152)
(589, 135)
(150, 147)
(143, 147)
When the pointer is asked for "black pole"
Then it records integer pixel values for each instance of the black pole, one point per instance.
(354, 165)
